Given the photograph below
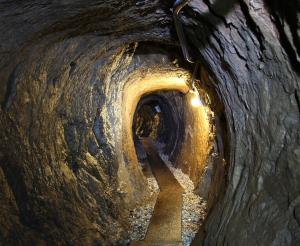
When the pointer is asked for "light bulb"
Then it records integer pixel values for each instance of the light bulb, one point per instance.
(196, 102)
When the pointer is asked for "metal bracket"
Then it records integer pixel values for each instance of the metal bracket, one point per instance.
(177, 7)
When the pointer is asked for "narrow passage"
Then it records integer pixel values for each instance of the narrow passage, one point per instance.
(165, 224)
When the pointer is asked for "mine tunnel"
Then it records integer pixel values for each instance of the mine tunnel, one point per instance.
(155, 118)
(150, 122)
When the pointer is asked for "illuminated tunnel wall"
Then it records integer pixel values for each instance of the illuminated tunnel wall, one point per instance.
(138, 85)
(64, 69)
(156, 75)
(190, 153)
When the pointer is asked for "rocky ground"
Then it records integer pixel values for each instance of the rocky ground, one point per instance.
(193, 214)
(141, 215)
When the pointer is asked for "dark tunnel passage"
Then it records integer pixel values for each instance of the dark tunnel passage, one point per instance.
(120, 119)
(157, 119)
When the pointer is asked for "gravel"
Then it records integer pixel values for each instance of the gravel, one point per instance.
(139, 218)
(193, 214)
(181, 177)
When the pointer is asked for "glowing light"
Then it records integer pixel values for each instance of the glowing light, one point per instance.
(196, 101)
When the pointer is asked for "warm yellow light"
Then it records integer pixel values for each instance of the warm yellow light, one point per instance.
(196, 102)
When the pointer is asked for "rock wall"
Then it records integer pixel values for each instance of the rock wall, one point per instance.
(64, 185)
(196, 143)
(61, 67)
(251, 53)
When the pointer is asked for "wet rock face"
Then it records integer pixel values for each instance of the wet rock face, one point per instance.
(63, 66)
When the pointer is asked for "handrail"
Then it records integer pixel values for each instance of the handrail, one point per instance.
(177, 7)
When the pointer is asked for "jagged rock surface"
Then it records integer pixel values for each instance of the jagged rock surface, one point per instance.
(58, 168)
(256, 73)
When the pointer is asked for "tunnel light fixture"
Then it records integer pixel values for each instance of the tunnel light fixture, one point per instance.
(177, 7)
(195, 99)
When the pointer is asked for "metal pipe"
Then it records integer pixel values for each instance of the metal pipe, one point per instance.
(177, 7)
